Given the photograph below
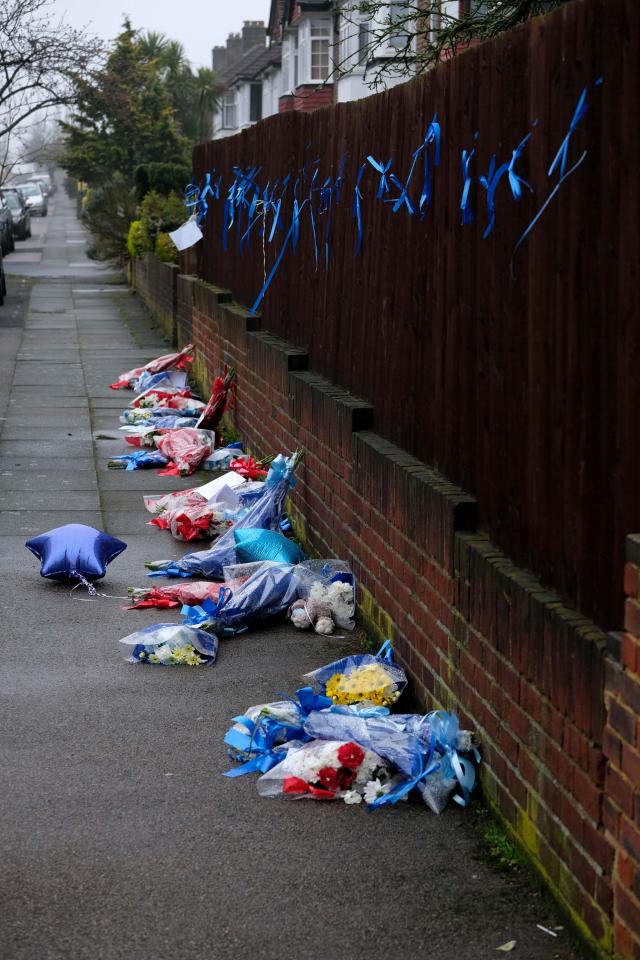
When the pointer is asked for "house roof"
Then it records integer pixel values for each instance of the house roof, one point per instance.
(282, 11)
(250, 64)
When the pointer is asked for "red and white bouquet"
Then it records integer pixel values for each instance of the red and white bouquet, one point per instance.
(328, 770)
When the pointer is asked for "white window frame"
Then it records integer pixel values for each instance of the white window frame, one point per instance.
(230, 109)
(312, 32)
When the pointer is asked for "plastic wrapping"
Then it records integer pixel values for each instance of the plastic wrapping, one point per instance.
(221, 493)
(170, 644)
(174, 594)
(265, 514)
(324, 770)
(191, 517)
(186, 448)
(221, 398)
(168, 361)
(378, 734)
(138, 460)
(263, 590)
(169, 397)
(360, 678)
(157, 416)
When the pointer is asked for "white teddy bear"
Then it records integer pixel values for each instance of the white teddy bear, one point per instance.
(325, 607)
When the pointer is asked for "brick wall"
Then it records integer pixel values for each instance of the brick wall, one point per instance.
(306, 98)
(476, 633)
(621, 810)
(155, 282)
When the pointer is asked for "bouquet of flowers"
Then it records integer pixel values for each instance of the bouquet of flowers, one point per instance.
(262, 590)
(170, 644)
(221, 491)
(191, 517)
(265, 514)
(170, 361)
(137, 460)
(186, 448)
(171, 397)
(174, 595)
(327, 770)
(362, 678)
(153, 416)
(222, 396)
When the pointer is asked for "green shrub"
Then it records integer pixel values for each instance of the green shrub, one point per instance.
(165, 249)
(161, 214)
(138, 239)
(161, 178)
(108, 211)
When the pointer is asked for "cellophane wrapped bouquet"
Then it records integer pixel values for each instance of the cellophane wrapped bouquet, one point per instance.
(265, 514)
(259, 591)
(137, 460)
(171, 361)
(362, 678)
(186, 449)
(175, 594)
(222, 395)
(170, 644)
(327, 770)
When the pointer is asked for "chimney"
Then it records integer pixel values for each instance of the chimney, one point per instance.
(234, 47)
(254, 34)
(218, 58)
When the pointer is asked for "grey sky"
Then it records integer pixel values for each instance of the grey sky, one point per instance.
(198, 26)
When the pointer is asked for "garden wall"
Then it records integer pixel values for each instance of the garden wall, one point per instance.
(477, 633)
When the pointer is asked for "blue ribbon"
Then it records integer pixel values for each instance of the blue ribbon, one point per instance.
(170, 570)
(280, 469)
(357, 211)
(386, 652)
(383, 169)
(559, 164)
(257, 745)
(465, 203)
(208, 609)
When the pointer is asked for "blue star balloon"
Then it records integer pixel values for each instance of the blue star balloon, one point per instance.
(75, 551)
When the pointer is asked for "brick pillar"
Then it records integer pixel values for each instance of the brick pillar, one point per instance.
(621, 808)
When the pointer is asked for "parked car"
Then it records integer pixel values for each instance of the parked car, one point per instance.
(34, 197)
(7, 244)
(20, 216)
(45, 179)
(3, 281)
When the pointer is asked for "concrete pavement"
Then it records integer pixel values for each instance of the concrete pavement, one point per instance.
(120, 837)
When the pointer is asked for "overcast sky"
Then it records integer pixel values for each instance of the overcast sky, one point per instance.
(198, 26)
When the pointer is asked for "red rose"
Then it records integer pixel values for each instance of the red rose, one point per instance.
(328, 777)
(350, 755)
(346, 776)
(295, 785)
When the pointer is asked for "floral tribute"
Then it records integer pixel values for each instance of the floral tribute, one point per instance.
(328, 770)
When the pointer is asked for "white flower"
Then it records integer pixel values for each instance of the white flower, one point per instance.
(375, 789)
(352, 796)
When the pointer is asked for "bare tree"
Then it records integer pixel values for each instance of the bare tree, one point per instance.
(400, 38)
(40, 56)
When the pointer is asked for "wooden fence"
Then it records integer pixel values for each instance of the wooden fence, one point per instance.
(509, 362)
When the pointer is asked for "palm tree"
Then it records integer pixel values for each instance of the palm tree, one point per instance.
(208, 92)
(152, 45)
